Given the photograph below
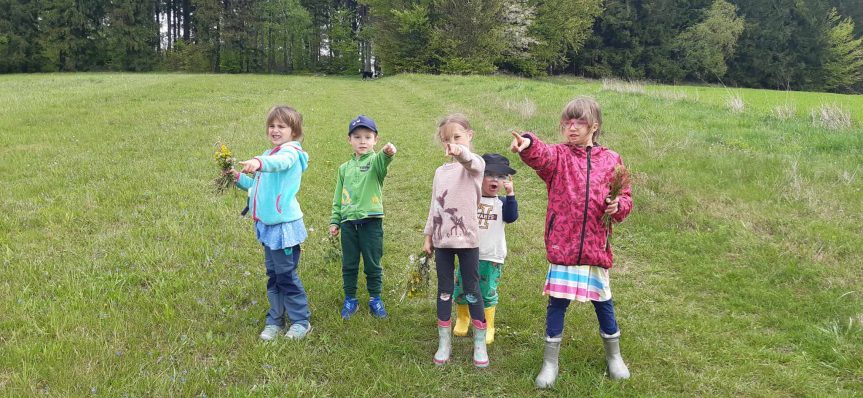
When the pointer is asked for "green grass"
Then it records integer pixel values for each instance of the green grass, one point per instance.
(740, 271)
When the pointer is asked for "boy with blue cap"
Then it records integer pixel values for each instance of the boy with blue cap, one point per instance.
(358, 213)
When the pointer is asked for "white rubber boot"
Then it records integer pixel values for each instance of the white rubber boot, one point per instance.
(480, 355)
(548, 374)
(444, 347)
(617, 370)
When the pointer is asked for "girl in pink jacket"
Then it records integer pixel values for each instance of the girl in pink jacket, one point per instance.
(577, 174)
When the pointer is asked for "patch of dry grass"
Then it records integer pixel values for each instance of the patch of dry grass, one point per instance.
(784, 112)
(736, 104)
(831, 117)
(524, 108)
(623, 86)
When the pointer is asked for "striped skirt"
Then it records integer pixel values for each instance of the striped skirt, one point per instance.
(578, 282)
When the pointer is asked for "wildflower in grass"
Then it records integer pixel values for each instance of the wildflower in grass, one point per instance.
(617, 183)
(225, 161)
(419, 267)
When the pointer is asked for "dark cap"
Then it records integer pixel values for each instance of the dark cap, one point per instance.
(362, 121)
(497, 164)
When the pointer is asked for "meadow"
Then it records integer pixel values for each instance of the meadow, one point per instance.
(738, 273)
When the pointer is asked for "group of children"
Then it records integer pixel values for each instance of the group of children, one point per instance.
(466, 221)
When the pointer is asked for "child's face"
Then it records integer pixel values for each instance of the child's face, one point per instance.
(279, 132)
(491, 184)
(578, 131)
(456, 134)
(362, 140)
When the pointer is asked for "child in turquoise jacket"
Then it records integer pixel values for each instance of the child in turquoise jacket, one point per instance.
(279, 221)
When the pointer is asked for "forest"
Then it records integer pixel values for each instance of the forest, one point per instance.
(811, 45)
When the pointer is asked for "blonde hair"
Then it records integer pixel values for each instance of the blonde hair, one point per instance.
(583, 107)
(448, 124)
(289, 116)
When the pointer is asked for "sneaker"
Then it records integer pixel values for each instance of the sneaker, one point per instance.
(350, 307)
(297, 331)
(376, 306)
(270, 332)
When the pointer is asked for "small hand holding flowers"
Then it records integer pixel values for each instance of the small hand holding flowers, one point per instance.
(618, 181)
(225, 162)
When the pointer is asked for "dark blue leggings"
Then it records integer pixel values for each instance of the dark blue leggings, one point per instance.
(557, 310)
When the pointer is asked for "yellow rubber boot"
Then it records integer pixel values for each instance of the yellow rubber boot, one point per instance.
(462, 320)
(489, 320)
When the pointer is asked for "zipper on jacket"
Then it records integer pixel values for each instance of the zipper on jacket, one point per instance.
(586, 202)
(550, 225)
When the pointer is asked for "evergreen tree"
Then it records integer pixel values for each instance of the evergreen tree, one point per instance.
(73, 39)
(20, 46)
(403, 33)
(705, 47)
(467, 35)
(132, 36)
(843, 62)
(562, 27)
(614, 48)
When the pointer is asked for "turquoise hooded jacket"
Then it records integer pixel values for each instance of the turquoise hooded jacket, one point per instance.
(273, 190)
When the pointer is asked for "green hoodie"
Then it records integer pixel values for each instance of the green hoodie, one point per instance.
(358, 188)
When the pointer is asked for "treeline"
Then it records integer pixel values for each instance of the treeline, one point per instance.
(788, 44)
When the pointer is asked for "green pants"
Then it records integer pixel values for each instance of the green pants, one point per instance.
(366, 240)
(489, 277)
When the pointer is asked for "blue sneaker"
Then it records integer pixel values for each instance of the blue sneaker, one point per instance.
(350, 307)
(376, 306)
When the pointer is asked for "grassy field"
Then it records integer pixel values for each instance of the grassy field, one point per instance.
(739, 272)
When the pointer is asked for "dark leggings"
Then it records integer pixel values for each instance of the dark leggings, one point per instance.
(468, 264)
(557, 310)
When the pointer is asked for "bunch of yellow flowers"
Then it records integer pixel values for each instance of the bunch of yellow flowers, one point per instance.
(419, 275)
(225, 161)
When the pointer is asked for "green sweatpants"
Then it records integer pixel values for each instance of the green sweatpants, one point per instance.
(489, 277)
(366, 240)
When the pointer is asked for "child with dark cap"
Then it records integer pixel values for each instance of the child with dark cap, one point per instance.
(493, 212)
(358, 212)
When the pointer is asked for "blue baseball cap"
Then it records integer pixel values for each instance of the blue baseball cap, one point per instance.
(362, 121)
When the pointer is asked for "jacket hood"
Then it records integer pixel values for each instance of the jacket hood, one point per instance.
(303, 156)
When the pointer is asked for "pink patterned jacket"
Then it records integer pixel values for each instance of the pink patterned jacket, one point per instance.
(577, 179)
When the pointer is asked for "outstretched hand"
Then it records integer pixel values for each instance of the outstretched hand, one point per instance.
(519, 143)
(453, 149)
(389, 149)
(250, 166)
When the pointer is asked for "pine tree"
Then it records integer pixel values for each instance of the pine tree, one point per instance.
(843, 61)
(20, 46)
(705, 47)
